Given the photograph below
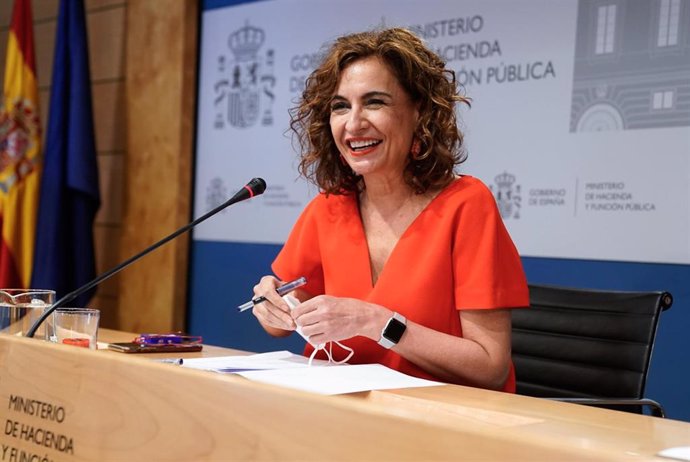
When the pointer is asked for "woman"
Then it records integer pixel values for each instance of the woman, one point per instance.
(407, 264)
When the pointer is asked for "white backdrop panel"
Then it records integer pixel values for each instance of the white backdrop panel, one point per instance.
(582, 164)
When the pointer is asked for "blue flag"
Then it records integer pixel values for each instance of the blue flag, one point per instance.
(69, 199)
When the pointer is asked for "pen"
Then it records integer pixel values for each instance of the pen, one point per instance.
(282, 290)
(177, 361)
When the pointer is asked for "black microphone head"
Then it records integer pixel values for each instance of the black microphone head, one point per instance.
(257, 186)
(254, 188)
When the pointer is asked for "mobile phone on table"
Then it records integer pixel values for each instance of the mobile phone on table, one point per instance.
(134, 347)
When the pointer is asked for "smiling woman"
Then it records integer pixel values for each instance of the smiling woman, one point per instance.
(373, 121)
(407, 263)
(425, 81)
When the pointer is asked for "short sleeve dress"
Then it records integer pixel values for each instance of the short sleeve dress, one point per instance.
(456, 255)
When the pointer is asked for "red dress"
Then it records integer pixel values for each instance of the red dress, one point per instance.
(456, 255)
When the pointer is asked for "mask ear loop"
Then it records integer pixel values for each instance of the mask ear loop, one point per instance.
(344, 347)
(329, 353)
(313, 354)
(293, 302)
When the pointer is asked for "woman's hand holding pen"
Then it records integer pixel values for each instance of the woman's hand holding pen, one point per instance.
(274, 312)
(323, 318)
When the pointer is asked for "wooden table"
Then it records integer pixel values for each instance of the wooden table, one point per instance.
(103, 406)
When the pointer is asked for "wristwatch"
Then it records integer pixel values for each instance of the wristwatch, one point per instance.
(393, 331)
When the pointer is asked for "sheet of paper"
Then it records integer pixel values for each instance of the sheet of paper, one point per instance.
(290, 370)
(333, 380)
(274, 360)
(679, 453)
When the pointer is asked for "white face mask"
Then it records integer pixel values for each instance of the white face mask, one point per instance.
(327, 347)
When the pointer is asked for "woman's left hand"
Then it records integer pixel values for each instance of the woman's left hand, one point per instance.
(327, 319)
(481, 357)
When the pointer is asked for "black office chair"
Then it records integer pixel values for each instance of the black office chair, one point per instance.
(587, 346)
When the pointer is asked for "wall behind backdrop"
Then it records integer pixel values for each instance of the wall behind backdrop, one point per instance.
(580, 124)
(142, 56)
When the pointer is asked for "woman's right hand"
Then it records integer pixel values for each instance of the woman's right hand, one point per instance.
(274, 312)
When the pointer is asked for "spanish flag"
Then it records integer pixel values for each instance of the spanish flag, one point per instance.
(20, 152)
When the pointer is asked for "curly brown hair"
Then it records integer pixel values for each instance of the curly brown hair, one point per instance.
(423, 75)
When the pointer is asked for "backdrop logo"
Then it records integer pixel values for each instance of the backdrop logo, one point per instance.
(244, 90)
(507, 195)
(216, 193)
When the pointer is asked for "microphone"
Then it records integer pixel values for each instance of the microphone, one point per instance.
(254, 188)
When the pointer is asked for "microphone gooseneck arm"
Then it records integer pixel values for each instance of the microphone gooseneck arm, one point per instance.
(253, 188)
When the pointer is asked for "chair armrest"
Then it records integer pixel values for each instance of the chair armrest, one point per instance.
(656, 408)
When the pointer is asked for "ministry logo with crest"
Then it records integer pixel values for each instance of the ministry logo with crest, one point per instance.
(216, 193)
(244, 91)
(507, 195)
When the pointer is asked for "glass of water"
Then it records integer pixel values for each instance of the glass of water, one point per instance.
(20, 308)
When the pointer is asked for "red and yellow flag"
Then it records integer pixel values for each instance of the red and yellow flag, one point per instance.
(20, 151)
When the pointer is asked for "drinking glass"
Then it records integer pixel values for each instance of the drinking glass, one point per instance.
(76, 326)
(20, 308)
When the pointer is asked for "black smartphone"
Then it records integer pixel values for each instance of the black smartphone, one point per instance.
(132, 347)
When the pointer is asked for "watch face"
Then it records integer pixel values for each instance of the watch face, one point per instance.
(394, 330)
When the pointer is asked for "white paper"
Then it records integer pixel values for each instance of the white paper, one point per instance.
(334, 379)
(293, 371)
(680, 453)
(274, 360)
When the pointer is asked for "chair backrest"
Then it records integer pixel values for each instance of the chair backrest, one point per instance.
(580, 343)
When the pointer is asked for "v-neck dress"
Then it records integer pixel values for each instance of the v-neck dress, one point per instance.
(456, 255)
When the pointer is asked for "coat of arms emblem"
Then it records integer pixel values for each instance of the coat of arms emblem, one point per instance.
(507, 195)
(244, 93)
